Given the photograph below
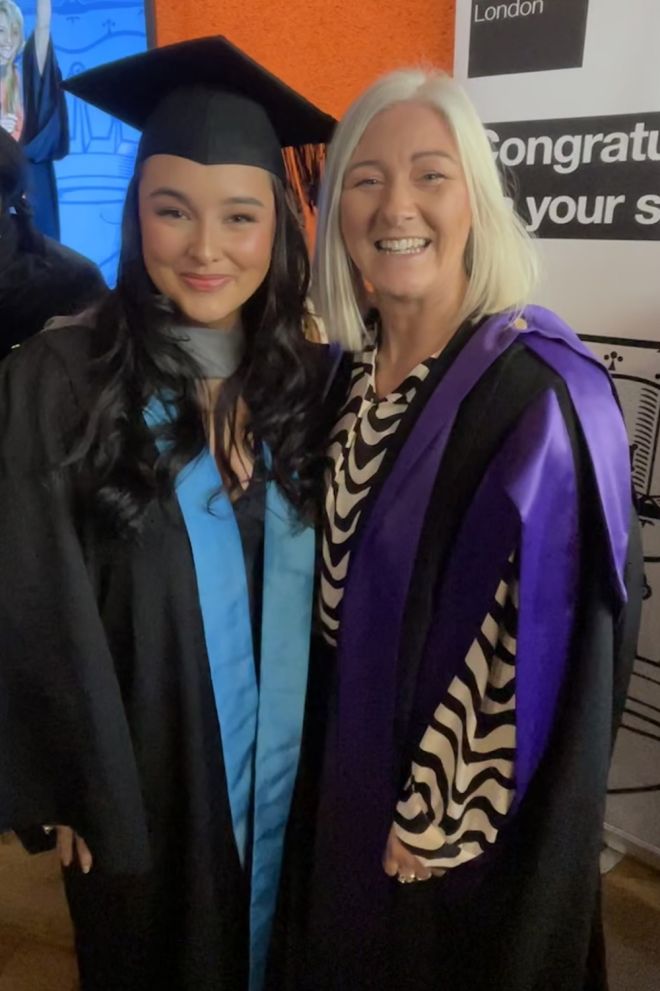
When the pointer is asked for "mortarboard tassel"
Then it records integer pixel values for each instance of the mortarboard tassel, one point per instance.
(304, 166)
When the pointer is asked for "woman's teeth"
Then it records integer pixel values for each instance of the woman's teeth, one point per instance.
(403, 245)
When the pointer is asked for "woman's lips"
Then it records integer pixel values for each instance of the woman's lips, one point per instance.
(205, 283)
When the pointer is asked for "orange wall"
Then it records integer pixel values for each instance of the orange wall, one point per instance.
(327, 49)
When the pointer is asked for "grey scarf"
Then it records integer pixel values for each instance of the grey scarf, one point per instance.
(217, 352)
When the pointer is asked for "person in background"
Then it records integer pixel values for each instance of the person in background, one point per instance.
(481, 584)
(33, 107)
(39, 278)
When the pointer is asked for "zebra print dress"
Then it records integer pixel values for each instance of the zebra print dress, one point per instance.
(357, 447)
(461, 785)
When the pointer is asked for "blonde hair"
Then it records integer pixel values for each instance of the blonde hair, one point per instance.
(500, 258)
(17, 33)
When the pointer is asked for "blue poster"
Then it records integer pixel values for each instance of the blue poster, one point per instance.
(80, 158)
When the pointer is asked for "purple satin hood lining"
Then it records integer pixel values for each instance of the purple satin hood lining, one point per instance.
(592, 395)
(372, 612)
(527, 502)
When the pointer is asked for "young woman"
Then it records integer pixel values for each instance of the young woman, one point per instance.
(158, 481)
(481, 579)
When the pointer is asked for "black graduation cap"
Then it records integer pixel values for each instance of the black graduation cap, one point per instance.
(208, 101)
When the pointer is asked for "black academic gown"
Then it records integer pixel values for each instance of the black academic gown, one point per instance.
(45, 136)
(46, 281)
(525, 916)
(107, 718)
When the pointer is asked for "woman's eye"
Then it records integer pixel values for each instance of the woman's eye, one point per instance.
(240, 218)
(433, 177)
(368, 181)
(171, 212)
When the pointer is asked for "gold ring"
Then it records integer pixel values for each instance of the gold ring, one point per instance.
(406, 878)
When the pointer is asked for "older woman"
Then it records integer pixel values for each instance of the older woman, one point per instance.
(481, 577)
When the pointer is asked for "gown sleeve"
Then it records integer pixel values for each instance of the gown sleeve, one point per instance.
(45, 136)
(65, 750)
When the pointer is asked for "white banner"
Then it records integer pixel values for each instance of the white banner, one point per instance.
(570, 93)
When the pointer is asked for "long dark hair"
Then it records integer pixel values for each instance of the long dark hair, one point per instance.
(113, 454)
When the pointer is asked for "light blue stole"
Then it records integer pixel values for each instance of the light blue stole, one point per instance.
(260, 724)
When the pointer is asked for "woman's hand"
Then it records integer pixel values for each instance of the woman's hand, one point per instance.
(401, 864)
(71, 847)
(8, 122)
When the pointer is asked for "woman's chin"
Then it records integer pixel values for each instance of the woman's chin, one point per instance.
(405, 291)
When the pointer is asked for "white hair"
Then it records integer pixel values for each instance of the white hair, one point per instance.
(501, 260)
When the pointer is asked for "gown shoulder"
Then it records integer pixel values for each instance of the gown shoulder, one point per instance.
(43, 387)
